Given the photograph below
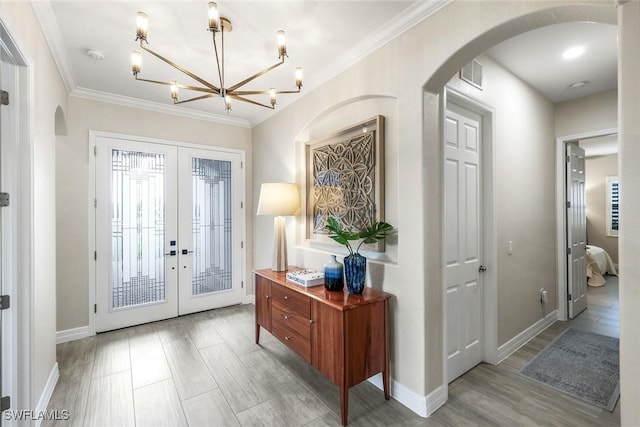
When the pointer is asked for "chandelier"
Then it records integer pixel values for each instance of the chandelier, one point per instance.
(217, 25)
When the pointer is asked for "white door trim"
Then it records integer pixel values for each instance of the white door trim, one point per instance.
(22, 191)
(93, 136)
(449, 94)
(561, 203)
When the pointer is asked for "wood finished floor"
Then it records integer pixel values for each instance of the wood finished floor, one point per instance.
(205, 370)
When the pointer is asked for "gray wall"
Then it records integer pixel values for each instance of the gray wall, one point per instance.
(598, 169)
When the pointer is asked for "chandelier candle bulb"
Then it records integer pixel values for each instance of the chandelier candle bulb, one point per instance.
(299, 77)
(227, 103)
(272, 94)
(174, 92)
(136, 62)
(214, 17)
(282, 45)
(142, 24)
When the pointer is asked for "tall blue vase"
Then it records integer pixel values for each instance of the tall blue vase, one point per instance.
(355, 273)
(333, 275)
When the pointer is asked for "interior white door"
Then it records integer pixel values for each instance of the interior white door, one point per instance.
(576, 231)
(210, 229)
(463, 240)
(136, 233)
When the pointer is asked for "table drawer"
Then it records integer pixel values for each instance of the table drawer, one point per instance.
(291, 299)
(292, 339)
(291, 319)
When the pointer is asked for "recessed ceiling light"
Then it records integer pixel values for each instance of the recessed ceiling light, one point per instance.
(573, 52)
(96, 54)
(578, 85)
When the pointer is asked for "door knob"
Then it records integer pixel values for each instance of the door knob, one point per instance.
(186, 251)
(170, 253)
(482, 269)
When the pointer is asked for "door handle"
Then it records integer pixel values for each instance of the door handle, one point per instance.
(482, 269)
(170, 253)
(186, 251)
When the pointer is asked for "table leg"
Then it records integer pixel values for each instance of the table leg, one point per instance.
(257, 333)
(344, 403)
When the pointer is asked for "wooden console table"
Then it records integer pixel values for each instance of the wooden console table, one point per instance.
(345, 337)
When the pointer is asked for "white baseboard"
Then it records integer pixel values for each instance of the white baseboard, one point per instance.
(72, 334)
(249, 299)
(47, 392)
(421, 405)
(511, 346)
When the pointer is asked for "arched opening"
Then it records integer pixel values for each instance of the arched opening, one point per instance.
(433, 130)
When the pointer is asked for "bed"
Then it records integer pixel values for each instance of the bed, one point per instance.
(599, 263)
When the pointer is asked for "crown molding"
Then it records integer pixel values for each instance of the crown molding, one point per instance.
(126, 101)
(408, 19)
(51, 30)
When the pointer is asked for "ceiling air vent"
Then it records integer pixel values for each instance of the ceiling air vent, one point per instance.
(472, 74)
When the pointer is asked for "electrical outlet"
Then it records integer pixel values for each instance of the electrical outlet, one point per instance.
(544, 296)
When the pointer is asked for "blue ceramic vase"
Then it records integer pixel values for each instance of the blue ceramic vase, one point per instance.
(333, 275)
(355, 273)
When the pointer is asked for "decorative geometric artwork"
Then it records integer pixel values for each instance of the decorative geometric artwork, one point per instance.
(345, 179)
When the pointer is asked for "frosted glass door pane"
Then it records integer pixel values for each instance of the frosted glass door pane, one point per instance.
(138, 228)
(211, 225)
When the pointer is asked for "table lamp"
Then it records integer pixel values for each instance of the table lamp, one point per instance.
(279, 199)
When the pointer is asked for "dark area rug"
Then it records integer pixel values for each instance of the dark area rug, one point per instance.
(581, 364)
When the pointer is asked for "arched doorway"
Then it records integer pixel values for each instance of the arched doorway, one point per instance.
(434, 100)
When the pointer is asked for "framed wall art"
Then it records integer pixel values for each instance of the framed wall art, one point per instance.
(345, 180)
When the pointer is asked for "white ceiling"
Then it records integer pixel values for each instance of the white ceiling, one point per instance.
(600, 146)
(324, 37)
(536, 57)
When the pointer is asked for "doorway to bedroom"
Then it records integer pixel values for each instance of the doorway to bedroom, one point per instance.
(599, 151)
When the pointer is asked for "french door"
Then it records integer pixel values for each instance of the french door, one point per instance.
(168, 231)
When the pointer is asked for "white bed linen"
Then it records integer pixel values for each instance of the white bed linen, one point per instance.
(603, 260)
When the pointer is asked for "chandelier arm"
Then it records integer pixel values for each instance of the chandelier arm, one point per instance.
(255, 76)
(250, 101)
(262, 92)
(209, 95)
(182, 69)
(181, 86)
(215, 47)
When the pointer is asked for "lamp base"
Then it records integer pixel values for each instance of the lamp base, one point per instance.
(279, 245)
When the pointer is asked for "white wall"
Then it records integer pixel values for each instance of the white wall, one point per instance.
(629, 154)
(47, 93)
(431, 52)
(598, 168)
(72, 189)
(524, 147)
(588, 114)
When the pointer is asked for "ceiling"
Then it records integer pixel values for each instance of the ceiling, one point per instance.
(600, 146)
(323, 37)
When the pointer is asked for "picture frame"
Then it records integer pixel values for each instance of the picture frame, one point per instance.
(345, 180)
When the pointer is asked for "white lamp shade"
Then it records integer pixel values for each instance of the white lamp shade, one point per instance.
(279, 199)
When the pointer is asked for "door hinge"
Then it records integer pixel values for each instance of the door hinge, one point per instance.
(95, 308)
(5, 302)
(241, 165)
(568, 251)
(95, 150)
(5, 403)
(95, 203)
(568, 204)
(568, 159)
(4, 97)
(241, 245)
(241, 205)
(569, 298)
(242, 284)
(95, 255)
(4, 200)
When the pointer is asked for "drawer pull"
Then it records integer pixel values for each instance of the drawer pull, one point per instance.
(287, 297)
(287, 338)
(268, 296)
(310, 321)
(287, 317)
